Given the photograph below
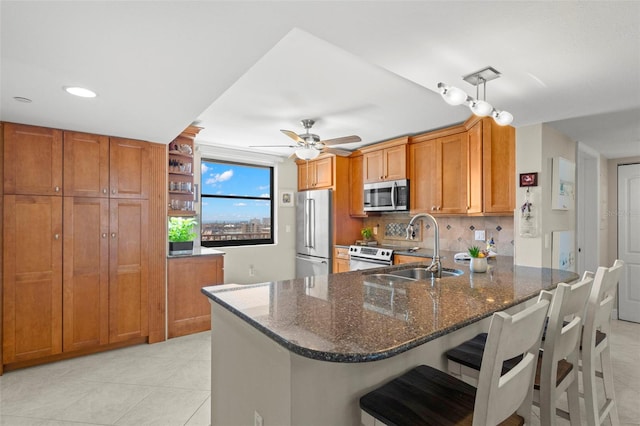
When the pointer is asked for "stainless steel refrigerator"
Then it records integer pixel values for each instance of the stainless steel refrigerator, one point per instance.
(313, 232)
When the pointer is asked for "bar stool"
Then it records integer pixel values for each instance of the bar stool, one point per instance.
(557, 369)
(426, 396)
(595, 347)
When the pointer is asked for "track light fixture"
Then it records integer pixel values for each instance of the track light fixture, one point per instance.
(480, 107)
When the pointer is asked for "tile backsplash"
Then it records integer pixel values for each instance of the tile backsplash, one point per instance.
(456, 233)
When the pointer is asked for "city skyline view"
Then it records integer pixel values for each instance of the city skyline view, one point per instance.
(246, 191)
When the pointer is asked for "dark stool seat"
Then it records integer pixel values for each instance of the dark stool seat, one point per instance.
(470, 353)
(425, 396)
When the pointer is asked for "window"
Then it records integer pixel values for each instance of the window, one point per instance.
(236, 204)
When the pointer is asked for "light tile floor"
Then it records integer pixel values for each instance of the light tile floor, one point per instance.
(168, 384)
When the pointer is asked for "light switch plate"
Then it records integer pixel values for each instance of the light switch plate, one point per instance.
(480, 235)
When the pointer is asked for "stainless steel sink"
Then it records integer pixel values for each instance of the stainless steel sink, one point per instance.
(387, 279)
(425, 274)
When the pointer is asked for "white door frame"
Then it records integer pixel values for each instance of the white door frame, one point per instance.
(629, 241)
(587, 209)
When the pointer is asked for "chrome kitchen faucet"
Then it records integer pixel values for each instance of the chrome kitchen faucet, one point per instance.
(435, 266)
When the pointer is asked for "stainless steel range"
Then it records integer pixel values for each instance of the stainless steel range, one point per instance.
(367, 257)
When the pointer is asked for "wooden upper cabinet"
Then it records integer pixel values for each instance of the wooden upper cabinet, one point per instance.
(453, 154)
(315, 174)
(424, 187)
(499, 165)
(86, 165)
(129, 168)
(465, 169)
(475, 180)
(385, 161)
(32, 160)
(356, 206)
(32, 277)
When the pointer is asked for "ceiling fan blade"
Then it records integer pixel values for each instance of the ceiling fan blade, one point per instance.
(344, 139)
(273, 146)
(292, 135)
(337, 151)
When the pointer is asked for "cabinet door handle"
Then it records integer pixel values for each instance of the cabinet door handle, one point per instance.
(104, 191)
(113, 235)
(113, 191)
(56, 236)
(56, 189)
(433, 208)
(439, 208)
(104, 235)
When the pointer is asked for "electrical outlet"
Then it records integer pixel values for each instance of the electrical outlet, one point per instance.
(257, 419)
(480, 235)
(252, 271)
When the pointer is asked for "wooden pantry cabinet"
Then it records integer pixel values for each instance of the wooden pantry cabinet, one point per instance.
(32, 160)
(32, 277)
(385, 161)
(357, 185)
(76, 262)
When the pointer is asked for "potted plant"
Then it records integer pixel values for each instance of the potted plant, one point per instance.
(181, 235)
(478, 260)
(366, 233)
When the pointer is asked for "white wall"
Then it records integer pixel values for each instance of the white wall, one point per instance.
(536, 146)
(260, 263)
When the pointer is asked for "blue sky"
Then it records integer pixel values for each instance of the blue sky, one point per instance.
(231, 179)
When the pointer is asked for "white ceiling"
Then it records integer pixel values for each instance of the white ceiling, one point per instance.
(244, 70)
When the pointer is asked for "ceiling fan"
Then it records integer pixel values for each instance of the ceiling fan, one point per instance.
(309, 146)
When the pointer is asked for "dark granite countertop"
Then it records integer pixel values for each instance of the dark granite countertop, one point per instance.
(357, 317)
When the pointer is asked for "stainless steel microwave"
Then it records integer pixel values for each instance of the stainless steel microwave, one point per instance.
(387, 196)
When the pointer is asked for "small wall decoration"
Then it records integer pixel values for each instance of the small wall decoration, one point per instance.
(563, 184)
(528, 226)
(529, 179)
(286, 199)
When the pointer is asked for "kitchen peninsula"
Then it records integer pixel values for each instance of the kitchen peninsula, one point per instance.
(303, 351)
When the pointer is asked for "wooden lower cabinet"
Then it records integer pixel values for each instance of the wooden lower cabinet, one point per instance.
(188, 309)
(340, 259)
(32, 277)
(400, 259)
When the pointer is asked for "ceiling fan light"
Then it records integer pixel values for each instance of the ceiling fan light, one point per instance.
(480, 108)
(452, 95)
(503, 118)
(307, 153)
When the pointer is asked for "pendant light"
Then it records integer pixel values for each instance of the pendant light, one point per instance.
(480, 107)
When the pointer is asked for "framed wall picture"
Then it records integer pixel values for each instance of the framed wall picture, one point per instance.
(563, 184)
(286, 198)
(529, 179)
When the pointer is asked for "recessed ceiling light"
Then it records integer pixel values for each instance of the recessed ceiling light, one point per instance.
(22, 99)
(80, 91)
